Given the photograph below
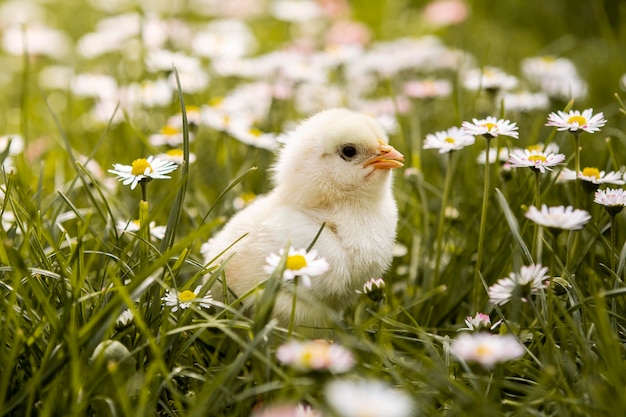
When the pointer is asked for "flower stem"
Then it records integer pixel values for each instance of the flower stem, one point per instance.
(613, 242)
(292, 316)
(444, 203)
(481, 233)
(537, 232)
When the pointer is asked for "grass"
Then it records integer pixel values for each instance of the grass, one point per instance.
(67, 272)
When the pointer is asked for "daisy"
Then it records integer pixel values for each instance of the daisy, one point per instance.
(374, 289)
(574, 121)
(176, 156)
(613, 200)
(592, 175)
(501, 156)
(185, 299)
(560, 217)
(367, 398)
(529, 280)
(315, 355)
(525, 101)
(300, 263)
(536, 160)
(490, 79)
(124, 319)
(168, 135)
(490, 127)
(448, 140)
(486, 349)
(428, 88)
(479, 322)
(143, 170)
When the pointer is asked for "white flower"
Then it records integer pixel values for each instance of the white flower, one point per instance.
(613, 200)
(143, 170)
(560, 217)
(315, 355)
(124, 319)
(374, 289)
(486, 349)
(479, 322)
(529, 280)
(575, 121)
(536, 160)
(592, 175)
(176, 156)
(367, 398)
(557, 77)
(186, 298)
(491, 127)
(525, 101)
(300, 264)
(489, 78)
(448, 140)
(502, 156)
(428, 88)
(168, 135)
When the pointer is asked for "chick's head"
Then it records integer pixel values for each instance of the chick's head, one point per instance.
(335, 156)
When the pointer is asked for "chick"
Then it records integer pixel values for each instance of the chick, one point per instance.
(334, 170)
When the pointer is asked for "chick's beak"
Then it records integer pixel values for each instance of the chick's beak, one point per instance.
(387, 157)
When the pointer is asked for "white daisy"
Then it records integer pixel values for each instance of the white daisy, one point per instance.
(613, 200)
(300, 263)
(575, 121)
(525, 101)
(479, 322)
(491, 127)
(536, 160)
(185, 299)
(529, 280)
(501, 156)
(592, 175)
(143, 170)
(168, 135)
(367, 398)
(176, 156)
(486, 349)
(448, 140)
(315, 355)
(489, 78)
(374, 289)
(560, 217)
(124, 319)
(428, 88)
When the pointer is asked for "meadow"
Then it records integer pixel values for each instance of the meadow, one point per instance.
(506, 295)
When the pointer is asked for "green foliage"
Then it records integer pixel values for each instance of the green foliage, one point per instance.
(67, 272)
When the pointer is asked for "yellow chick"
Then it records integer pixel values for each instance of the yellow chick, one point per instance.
(335, 170)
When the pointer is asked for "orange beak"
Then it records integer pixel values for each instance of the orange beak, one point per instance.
(386, 158)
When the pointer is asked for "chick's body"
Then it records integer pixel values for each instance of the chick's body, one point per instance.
(334, 170)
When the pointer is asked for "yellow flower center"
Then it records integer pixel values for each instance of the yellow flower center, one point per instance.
(139, 166)
(537, 158)
(483, 350)
(489, 126)
(175, 153)
(296, 262)
(136, 223)
(255, 132)
(535, 148)
(186, 296)
(216, 101)
(591, 172)
(449, 140)
(169, 130)
(579, 120)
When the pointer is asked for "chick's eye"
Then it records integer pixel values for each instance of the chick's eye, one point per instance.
(348, 152)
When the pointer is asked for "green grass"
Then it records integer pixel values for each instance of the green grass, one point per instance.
(67, 273)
